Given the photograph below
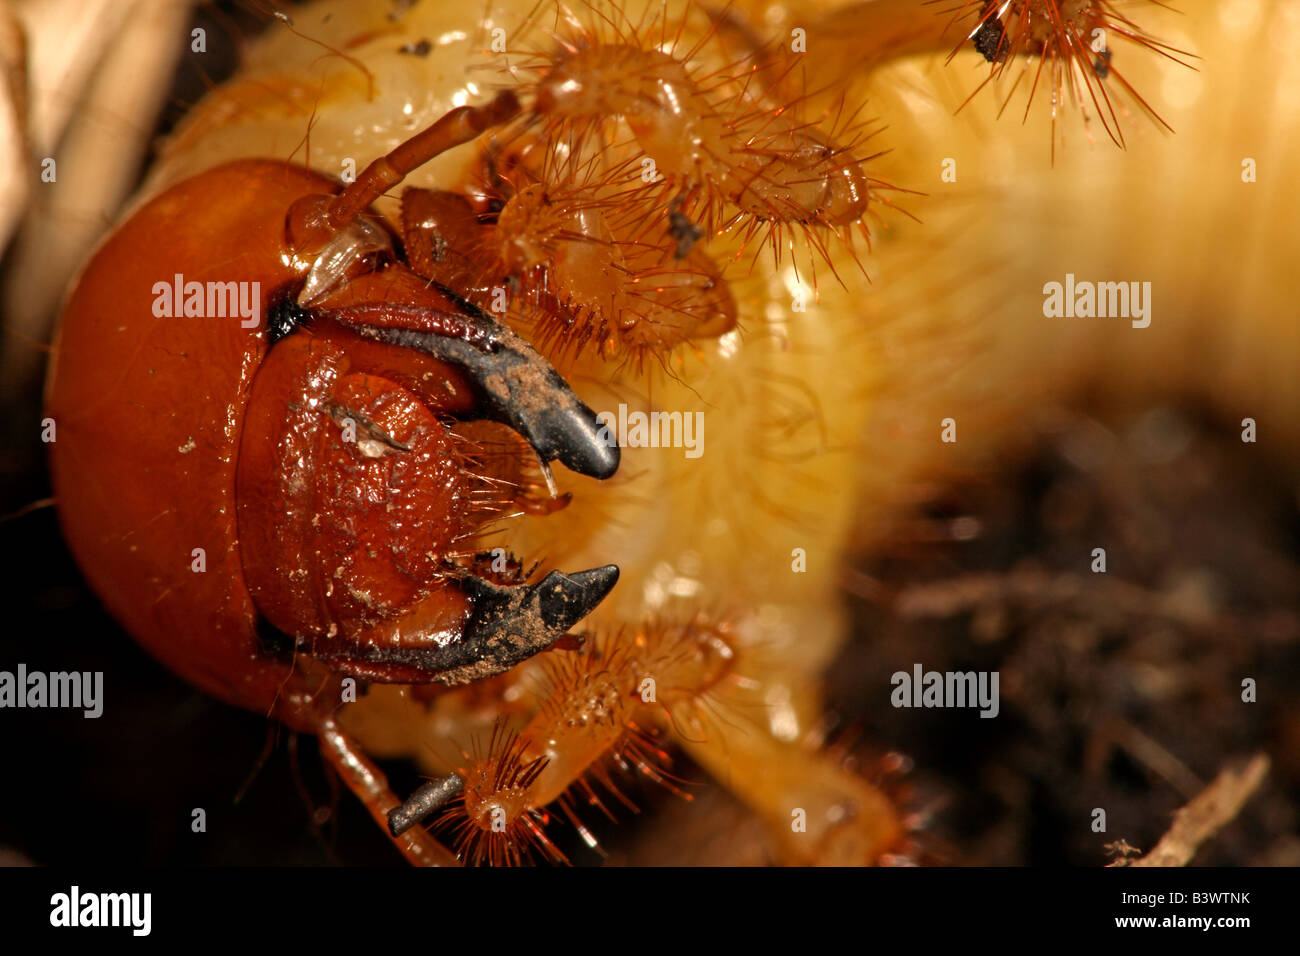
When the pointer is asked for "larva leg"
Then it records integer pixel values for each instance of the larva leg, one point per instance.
(370, 785)
(819, 813)
(586, 262)
(597, 705)
(725, 154)
(880, 29)
(1052, 51)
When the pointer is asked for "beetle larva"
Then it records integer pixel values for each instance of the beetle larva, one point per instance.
(791, 376)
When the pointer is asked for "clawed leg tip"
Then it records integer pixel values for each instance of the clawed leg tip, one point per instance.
(418, 806)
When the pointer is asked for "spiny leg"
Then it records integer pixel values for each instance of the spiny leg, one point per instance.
(370, 785)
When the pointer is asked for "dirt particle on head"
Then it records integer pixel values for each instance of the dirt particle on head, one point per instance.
(498, 387)
(683, 230)
(535, 388)
(988, 40)
(419, 48)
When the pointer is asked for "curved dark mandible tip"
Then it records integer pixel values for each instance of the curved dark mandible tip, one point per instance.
(565, 599)
(572, 435)
(539, 614)
(508, 625)
(518, 386)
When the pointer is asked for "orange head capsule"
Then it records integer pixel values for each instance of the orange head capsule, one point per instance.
(264, 463)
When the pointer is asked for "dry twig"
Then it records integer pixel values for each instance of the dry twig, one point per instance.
(1205, 815)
